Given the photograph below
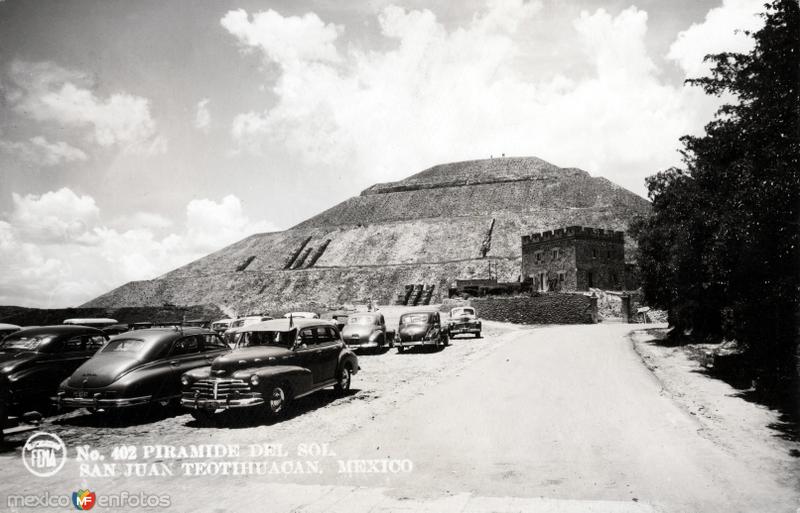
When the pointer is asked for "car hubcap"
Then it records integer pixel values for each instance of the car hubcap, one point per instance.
(277, 399)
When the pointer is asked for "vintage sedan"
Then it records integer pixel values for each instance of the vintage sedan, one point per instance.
(273, 363)
(367, 330)
(464, 320)
(421, 329)
(142, 367)
(34, 361)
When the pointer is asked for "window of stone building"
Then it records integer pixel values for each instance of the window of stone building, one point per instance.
(537, 257)
(555, 253)
(562, 276)
(594, 252)
(590, 279)
(609, 254)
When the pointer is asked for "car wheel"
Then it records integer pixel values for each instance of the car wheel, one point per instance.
(343, 380)
(277, 400)
(400, 349)
(478, 335)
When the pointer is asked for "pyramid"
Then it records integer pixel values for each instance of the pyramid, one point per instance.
(452, 221)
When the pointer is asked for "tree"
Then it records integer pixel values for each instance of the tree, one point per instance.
(721, 250)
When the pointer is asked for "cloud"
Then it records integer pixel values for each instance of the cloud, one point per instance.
(434, 94)
(39, 152)
(722, 30)
(55, 216)
(288, 41)
(56, 250)
(46, 92)
(202, 118)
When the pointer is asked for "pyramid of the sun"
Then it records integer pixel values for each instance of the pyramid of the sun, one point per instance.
(451, 221)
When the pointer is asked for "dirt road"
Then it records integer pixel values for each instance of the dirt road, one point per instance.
(562, 418)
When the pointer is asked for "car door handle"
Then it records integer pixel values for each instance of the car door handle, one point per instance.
(173, 362)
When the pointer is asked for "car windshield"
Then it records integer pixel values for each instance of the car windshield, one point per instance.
(458, 312)
(421, 318)
(364, 320)
(22, 342)
(125, 345)
(265, 338)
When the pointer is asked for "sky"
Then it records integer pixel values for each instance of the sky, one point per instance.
(138, 136)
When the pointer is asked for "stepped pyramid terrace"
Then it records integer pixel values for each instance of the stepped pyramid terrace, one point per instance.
(462, 220)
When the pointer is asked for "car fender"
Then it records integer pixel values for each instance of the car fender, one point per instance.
(149, 379)
(203, 372)
(350, 357)
(300, 379)
(35, 378)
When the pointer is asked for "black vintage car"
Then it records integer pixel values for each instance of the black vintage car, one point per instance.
(141, 367)
(423, 329)
(273, 363)
(33, 361)
(367, 330)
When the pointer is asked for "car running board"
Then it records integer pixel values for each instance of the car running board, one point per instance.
(316, 388)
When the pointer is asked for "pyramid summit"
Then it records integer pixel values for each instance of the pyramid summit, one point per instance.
(451, 221)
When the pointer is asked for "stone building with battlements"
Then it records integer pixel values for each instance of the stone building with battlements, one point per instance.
(575, 258)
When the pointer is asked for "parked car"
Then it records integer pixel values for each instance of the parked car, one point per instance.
(367, 330)
(421, 329)
(140, 367)
(273, 363)
(8, 329)
(142, 325)
(222, 325)
(92, 322)
(463, 319)
(250, 319)
(34, 361)
(231, 335)
(301, 315)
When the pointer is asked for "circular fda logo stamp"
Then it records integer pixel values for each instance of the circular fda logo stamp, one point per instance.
(44, 454)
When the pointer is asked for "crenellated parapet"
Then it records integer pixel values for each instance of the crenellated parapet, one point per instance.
(575, 232)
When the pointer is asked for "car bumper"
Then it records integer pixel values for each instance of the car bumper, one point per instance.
(360, 345)
(92, 402)
(468, 329)
(413, 343)
(220, 404)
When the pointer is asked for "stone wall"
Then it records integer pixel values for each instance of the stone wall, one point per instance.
(549, 308)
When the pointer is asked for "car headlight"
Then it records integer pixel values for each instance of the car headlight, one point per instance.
(185, 381)
(254, 380)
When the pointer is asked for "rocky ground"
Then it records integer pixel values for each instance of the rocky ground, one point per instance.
(557, 418)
